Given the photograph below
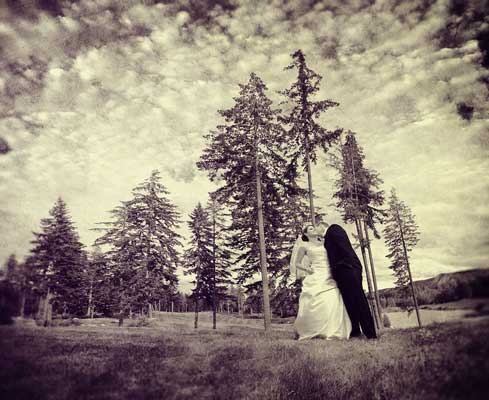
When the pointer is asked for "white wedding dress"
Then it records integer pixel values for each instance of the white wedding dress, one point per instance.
(322, 312)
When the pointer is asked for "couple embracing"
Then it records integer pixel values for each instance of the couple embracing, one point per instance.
(332, 304)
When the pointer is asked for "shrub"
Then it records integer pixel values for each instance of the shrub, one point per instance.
(5, 315)
(8, 302)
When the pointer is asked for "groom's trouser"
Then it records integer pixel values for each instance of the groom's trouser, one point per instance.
(349, 282)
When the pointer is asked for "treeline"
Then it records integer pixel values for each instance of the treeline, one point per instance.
(243, 235)
(441, 289)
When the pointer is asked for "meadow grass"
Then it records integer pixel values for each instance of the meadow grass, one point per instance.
(174, 361)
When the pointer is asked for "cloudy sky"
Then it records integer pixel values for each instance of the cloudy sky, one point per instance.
(94, 95)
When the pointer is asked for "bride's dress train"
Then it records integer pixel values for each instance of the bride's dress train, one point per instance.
(322, 312)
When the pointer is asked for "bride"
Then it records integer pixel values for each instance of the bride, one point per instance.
(322, 313)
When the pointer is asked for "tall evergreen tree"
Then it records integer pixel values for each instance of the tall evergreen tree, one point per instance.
(221, 255)
(306, 135)
(247, 153)
(59, 258)
(199, 257)
(143, 245)
(360, 200)
(11, 267)
(401, 236)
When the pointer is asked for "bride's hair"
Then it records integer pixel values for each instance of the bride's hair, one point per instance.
(304, 233)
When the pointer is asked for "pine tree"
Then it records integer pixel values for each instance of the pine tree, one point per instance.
(306, 135)
(59, 259)
(360, 200)
(221, 255)
(247, 153)
(143, 245)
(401, 236)
(199, 257)
(11, 268)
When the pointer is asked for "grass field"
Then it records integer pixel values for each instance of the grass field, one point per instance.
(171, 360)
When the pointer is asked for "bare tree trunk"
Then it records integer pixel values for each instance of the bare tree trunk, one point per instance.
(415, 299)
(196, 318)
(214, 311)
(90, 300)
(374, 277)
(367, 274)
(47, 315)
(40, 307)
(263, 257)
(309, 183)
(22, 303)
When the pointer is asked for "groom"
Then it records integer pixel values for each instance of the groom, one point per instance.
(347, 271)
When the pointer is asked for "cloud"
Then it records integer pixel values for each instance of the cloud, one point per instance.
(96, 98)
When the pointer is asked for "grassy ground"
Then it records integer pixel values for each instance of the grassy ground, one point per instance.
(170, 360)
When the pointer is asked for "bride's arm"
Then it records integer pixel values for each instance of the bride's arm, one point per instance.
(300, 257)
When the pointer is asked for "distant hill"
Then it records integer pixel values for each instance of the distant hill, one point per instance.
(441, 289)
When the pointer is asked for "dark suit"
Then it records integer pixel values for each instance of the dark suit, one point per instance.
(347, 271)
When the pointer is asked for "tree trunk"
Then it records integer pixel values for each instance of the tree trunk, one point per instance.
(214, 310)
(367, 274)
(415, 300)
(40, 307)
(374, 276)
(121, 317)
(47, 315)
(90, 300)
(309, 183)
(263, 257)
(196, 318)
(22, 303)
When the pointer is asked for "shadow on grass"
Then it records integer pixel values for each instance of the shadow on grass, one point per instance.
(441, 361)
